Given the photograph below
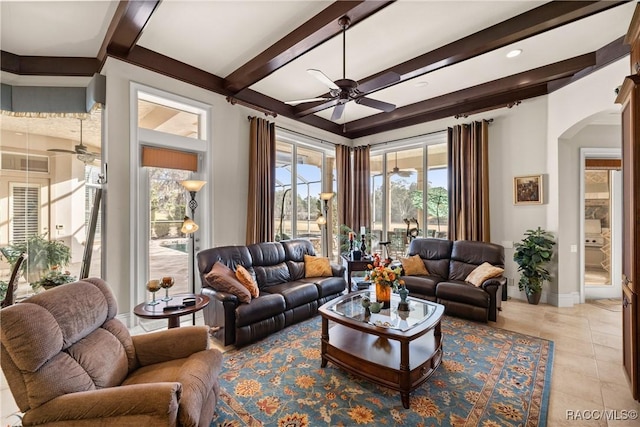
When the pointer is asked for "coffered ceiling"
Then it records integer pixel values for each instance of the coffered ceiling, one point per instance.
(437, 58)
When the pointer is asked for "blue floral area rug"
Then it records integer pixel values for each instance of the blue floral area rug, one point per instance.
(488, 377)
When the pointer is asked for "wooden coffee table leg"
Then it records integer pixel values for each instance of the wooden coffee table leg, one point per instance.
(405, 373)
(324, 341)
(405, 399)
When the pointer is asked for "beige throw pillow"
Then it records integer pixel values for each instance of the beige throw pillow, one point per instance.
(414, 266)
(483, 272)
(222, 278)
(243, 275)
(317, 267)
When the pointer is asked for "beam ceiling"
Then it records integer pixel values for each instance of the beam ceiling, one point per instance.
(130, 19)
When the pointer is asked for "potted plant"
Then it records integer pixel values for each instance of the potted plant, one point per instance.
(532, 255)
(53, 278)
(42, 255)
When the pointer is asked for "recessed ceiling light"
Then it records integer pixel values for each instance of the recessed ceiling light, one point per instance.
(421, 84)
(514, 53)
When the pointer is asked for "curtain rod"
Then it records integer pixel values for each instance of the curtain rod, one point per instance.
(322, 141)
(233, 101)
(418, 136)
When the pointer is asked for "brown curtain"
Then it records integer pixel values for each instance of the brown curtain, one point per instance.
(345, 189)
(262, 176)
(361, 188)
(469, 182)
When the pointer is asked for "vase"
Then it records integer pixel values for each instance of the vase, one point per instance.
(383, 294)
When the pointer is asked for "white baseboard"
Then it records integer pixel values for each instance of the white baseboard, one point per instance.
(564, 300)
(547, 297)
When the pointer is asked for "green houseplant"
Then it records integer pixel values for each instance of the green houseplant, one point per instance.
(532, 255)
(42, 256)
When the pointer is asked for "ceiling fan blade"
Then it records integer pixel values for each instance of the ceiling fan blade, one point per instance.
(61, 150)
(379, 82)
(302, 101)
(323, 78)
(374, 103)
(337, 112)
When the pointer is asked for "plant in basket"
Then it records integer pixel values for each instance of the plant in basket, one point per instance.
(385, 278)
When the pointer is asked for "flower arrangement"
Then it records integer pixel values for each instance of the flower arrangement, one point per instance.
(381, 273)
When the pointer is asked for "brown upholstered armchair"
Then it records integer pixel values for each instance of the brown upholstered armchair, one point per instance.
(68, 361)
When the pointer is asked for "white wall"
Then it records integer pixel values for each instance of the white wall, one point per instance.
(516, 147)
(570, 110)
(226, 187)
(599, 136)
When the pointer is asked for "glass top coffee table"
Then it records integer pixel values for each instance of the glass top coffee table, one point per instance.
(395, 349)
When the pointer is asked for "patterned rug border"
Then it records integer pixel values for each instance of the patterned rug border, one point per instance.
(536, 414)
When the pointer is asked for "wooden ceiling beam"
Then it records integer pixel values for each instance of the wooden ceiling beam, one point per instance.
(615, 50)
(464, 109)
(536, 21)
(489, 91)
(126, 27)
(48, 65)
(309, 35)
(153, 61)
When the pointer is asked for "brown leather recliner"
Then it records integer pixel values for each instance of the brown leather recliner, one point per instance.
(449, 263)
(68, 361)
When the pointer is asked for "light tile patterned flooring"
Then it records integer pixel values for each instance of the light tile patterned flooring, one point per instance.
(588, 378)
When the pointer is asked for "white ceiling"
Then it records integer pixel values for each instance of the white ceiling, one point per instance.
(220, 36)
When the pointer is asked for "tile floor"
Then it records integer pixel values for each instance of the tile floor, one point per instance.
(587, 368)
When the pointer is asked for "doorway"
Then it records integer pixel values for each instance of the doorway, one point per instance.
(601, 225)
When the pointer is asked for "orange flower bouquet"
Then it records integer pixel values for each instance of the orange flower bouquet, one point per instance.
(385, 278)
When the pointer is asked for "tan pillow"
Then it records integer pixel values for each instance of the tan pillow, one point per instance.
(221, 278)
(315, 266)
(414, 266)
(247, 281)
(483, 272)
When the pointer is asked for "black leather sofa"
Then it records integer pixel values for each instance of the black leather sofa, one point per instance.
(286, 296)
(449, 263)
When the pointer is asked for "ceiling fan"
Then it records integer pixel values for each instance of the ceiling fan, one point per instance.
(397, 171)
(345, 90)
(82, 151)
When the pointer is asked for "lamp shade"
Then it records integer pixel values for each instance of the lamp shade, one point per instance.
(189, 226)
(321, 220)
(192, 185)
(326, 196)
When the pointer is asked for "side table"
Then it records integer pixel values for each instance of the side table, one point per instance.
(354, 265)
(147, 311)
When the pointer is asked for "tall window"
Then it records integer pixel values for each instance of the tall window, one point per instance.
(173, 141)
(401, 208)
(303, 171)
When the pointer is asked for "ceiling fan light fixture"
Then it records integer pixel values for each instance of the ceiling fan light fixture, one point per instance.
(514, 53)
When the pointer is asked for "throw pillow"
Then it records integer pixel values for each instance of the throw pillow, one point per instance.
(221, 278)
(483, 272)
(243, 275)
(414, 266)
(317, 266)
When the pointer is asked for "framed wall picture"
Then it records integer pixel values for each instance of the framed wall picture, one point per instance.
(527, 190)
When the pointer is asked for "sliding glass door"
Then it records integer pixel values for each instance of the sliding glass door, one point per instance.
(409, 194)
